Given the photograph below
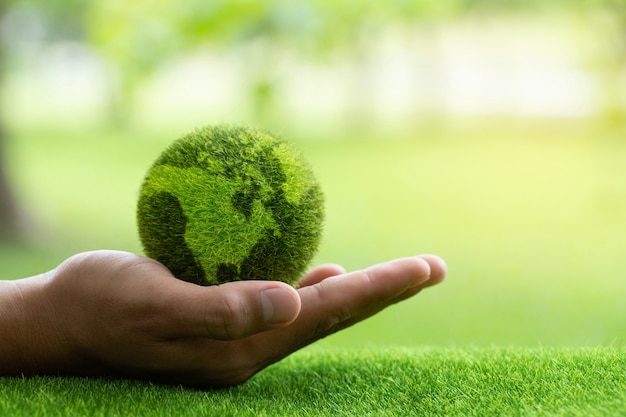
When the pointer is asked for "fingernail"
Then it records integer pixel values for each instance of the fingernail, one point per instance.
(279, 306)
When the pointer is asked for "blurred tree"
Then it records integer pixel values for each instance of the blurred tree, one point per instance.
(62, 20)
(613, 63)
(9, 217)
(141, 35)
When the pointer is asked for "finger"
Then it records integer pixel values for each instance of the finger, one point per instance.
(376, 308)
(438, 270)
(437, 267)
(232, 311)
(339, 299)
(320, 273)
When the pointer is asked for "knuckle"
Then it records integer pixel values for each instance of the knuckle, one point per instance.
(232, 317)
(328, 323)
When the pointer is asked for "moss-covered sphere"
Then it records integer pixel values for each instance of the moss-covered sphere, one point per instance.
(231, 203)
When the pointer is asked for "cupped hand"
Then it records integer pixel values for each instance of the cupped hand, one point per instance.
(108, 313)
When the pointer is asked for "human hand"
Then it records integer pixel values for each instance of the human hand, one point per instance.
(109, 313)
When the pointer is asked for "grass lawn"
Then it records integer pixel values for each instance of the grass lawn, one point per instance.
(391, 382)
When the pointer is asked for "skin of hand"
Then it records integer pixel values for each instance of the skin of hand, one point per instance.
(109, 313)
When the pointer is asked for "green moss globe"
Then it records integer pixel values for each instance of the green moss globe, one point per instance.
(231, 203)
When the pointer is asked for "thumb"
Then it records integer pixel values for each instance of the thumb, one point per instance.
(236, 309)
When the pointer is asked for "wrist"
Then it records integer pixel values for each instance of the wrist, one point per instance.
(31, 342)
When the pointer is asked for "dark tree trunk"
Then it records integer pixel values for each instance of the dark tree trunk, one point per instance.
(11, 226)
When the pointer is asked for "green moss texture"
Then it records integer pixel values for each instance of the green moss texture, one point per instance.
(231, 203)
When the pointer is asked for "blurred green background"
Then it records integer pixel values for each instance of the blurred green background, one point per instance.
(491, 133)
